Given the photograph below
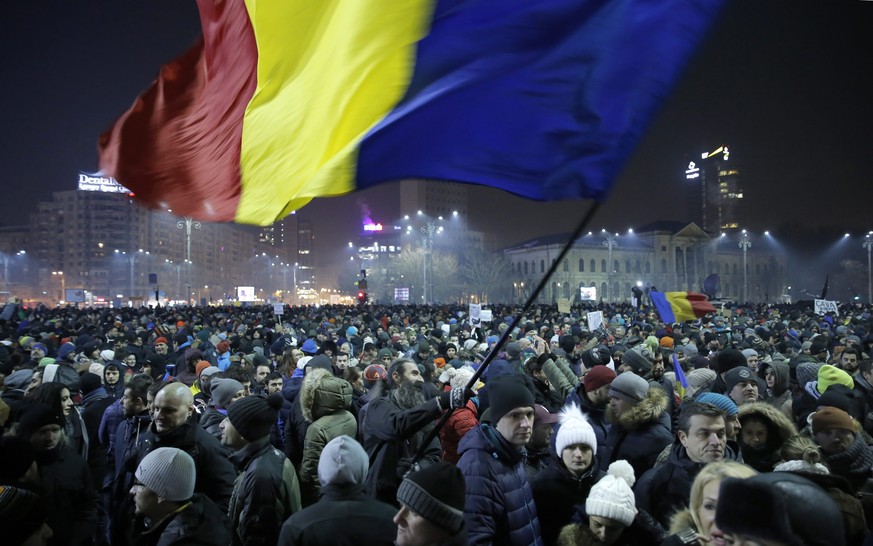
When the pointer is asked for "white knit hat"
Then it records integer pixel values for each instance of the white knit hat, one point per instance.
(574, 429)
(169, 472)
(612, 497)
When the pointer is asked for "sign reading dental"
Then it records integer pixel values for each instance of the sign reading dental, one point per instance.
(97, 183)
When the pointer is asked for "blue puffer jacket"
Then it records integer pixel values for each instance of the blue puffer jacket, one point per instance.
(499, 507)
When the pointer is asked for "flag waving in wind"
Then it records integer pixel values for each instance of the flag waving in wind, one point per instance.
(282, 101)
(680, 306)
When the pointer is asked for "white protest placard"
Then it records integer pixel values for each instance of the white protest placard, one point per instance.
(823, 307)
(475, 314)
(563, 305)
(278, 308)
(595, 320)
(485, 315)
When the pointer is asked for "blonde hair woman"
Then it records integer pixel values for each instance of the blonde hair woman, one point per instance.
(696, 524)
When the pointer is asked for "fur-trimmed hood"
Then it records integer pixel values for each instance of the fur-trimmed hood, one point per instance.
(648, 410)
(681, 521)
(770, 414)
(323, 394)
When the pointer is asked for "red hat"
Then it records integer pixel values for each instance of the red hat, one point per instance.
(542, 416)
(597, 377)
(202, 365)
(375, 372)
(161, 339)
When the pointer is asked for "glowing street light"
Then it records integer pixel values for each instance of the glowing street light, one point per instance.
(610, 243)
(745, 244)
(868, 244)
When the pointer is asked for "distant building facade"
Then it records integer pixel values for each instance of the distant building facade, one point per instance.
(671, 256)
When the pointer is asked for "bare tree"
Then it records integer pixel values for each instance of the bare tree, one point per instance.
(488, 276)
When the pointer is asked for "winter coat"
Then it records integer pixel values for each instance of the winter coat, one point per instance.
(295, 433)
(640, 434)
(344, 516)
(277, 433)
(666, 488)
(94, 405)
(559, 495)
(112, 419)
(460, 423)
(596, 414)
(324, 401)
(211, 420)
(779, 429)
(683, 523)
(780, 397)
(392, 436)
(537, 460)
(215, 474)
(865, 394)
(804, 404)
(199, 523)
(546, 397)
(69, 498)
(265, 494)
(641, 532)
(499, 507)
(837, 488)
(129, 435)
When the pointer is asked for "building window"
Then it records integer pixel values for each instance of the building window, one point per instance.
(648, 267)
(615, 267)
(566, 265)
(603, 266)
(581, 265)
(525, 268)
(593, 265)
(663, 266)
(627, 268)
(542, 266)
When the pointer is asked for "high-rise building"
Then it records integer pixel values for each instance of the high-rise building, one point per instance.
(433, 198)
(281, 235)
(97, 239)
(721, 194)
(305, 270)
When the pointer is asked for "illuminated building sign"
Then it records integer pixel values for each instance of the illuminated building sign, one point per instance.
(96, 183)
(372, 227)
(693, 171)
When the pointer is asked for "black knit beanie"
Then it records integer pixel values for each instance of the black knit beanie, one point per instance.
(506, 393)
(35, 416)
(254, 416)
(728, 359)
(437, 494)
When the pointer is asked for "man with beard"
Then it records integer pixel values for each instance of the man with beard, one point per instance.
(701, 439)
(656, 377)
(844, 449)
(849, 360)
(592, 395)
(640, 423)
(397, 420)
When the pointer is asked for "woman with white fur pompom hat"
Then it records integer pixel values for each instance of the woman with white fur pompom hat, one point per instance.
(611, 517)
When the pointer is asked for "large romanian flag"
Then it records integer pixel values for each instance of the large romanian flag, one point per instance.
(282, 101)
(681, 306)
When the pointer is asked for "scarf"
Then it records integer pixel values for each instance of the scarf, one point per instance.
(854, 463)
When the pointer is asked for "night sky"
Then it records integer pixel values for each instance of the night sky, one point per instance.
(787, 84)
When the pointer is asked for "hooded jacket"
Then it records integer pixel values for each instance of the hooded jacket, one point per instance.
(460, 422)
(499, 506)
(559, 494)
(343, 510)
(265, 494)
(780, 396)
(324, 401)
(640, 434)
(779, 429)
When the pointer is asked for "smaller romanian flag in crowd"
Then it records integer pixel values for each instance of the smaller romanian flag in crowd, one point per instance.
(681, 380)
(681, 306)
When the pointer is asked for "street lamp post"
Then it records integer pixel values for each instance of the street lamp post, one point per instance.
(60, 274)
(187, 224)
(745, 244)
(868, 244)
(6, 269)
(430, 228)
(610, 243)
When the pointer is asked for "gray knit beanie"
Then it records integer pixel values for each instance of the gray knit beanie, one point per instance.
(223, 390)
(630, 387)
(343, 462)
(169, 472)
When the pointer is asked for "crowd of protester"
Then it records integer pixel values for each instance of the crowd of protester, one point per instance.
(233, 425)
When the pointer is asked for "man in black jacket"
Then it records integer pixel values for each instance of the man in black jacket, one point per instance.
(267, 491)
(344, 509)
(396, 422)
(163, 494)
(701, 439)
(172, 426)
